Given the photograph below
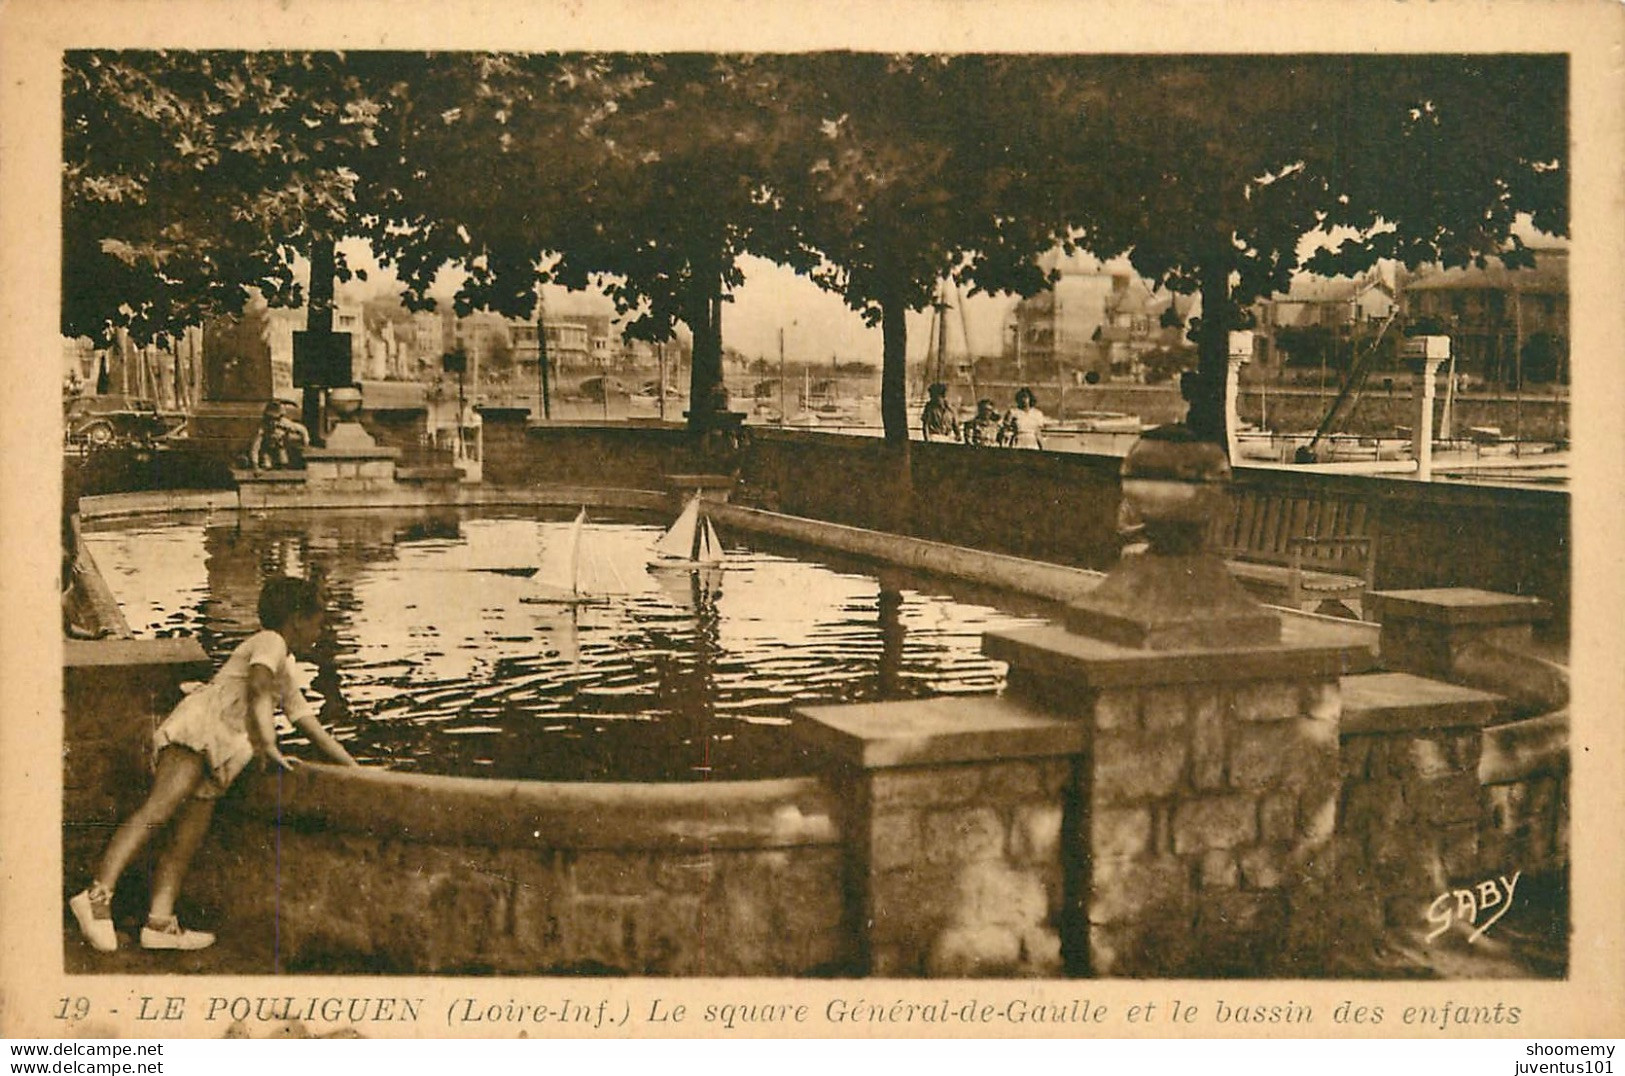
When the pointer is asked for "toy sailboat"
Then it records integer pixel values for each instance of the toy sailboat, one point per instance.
(559, 581)
(691, 542)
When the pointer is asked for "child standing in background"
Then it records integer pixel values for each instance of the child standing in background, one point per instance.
(200, 749)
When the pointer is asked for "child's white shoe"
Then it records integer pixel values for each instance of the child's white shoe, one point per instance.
(172, 935)
(95, 917)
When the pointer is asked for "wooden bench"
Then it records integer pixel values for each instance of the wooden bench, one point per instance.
(1300, 550)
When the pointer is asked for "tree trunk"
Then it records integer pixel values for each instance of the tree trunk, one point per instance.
(318, 321)
(897, 473)
(1205, 392)
(705, 320)
(894, 371)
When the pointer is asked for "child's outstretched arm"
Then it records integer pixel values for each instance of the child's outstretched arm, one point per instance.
(311, 726)
(305, 719)
(262, 695)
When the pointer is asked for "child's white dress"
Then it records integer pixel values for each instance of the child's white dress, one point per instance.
(214, 719)
(1025, 426)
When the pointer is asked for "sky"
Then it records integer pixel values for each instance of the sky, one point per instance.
(817, 324)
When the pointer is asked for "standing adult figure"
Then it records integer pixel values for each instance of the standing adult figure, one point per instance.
(938, 421)
(1024, 425)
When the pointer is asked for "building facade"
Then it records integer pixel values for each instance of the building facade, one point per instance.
(1506, 325)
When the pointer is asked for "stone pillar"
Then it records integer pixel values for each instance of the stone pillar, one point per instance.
(1207, 797)
(1410, 816)
(1240, 353)
(1424, 355)
(1208, 794)
(1427, 631)
(957, 807)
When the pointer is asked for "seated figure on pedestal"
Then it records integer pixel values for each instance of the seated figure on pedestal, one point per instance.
(279, 442)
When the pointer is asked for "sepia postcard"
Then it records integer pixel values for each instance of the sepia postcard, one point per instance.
(1010, 520)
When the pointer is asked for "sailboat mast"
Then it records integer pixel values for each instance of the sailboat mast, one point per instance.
(697, 541)
(575, 554)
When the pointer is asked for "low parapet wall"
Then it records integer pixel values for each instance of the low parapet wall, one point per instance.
(364, 870)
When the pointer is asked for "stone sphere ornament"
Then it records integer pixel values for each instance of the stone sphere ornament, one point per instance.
(1176, 486)
(344, 403)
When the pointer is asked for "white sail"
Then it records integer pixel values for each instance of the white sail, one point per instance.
(559, 578)
(692, 540)
(678, 542)
(708, 550)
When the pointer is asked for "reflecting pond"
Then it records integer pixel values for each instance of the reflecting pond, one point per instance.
(441, 657)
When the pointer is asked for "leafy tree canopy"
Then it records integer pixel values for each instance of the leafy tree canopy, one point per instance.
(190, 176)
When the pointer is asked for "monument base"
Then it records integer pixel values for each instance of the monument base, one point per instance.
(1162, 602)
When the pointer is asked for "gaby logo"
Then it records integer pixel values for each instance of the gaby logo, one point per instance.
(1465, 906)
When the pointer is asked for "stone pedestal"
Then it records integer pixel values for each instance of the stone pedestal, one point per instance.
(1240, 354)
(1410, 818)
(958, 862)
(353, 469)
(1426, 631)
(1173, 601)
(1425, 354)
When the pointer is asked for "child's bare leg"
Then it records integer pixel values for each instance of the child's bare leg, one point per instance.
(179, 772)
(191, 823)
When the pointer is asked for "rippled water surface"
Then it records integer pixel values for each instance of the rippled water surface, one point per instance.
(436, 662)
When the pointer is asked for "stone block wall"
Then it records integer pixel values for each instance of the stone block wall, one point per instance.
(1519, 763)
(353, 474)
(959, 815)
(351, 871)
(964, 869)
(1524, 796)
(358, 903)
(1409, 820)
(1524, 824)
(1210, 821)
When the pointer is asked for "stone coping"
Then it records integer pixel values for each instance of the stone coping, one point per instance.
(703, 482)
(927, 732)
(85, 654)
(1459, 605)
(92, 587)
(1523, 749)
(359, 452)
(1308, 648)
(155, 502)
(169, 502)
(1051, 581)
(284, 476)
(630, 424)
(1401, 702)
(697, 816)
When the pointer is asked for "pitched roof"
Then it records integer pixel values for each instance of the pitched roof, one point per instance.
(1308, 288)
(1549, 274)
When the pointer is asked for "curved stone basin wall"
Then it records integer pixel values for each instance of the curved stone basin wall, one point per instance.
(367, 870)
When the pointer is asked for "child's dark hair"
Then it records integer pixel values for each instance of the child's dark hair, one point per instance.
(283, 598)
